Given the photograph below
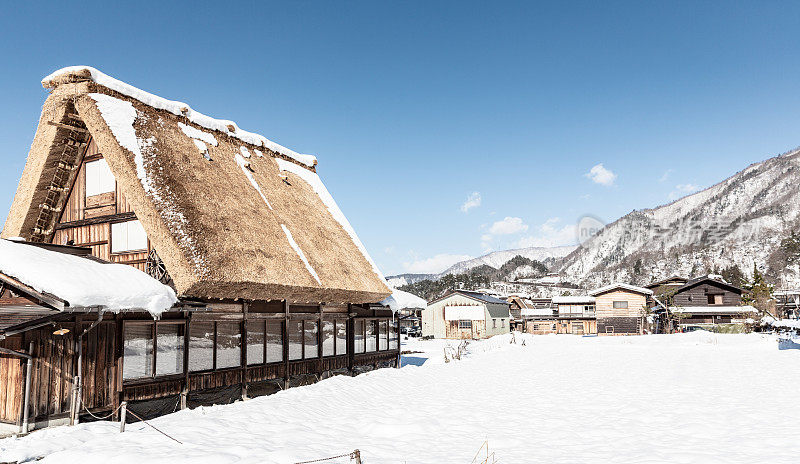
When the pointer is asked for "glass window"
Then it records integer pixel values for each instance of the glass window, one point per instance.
(369, 336)
(274, 341)
(466, 324)
(341, 337)
(128, 236)
(255, 342)
(201, 346)
(328, 340)
(229, 345)
(295, 340)
(169, 343)
(359, 336)
(393, 340)
(311, 342)
(99, 178)
(383, 335)
(137, 351)
(620, 305)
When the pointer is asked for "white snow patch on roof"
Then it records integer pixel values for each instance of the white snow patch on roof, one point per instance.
(119, 116)
(402, 300)
(194, 133)
(245, 166)
(574, 299)
(312, 179)
(712, 309)
(614, 286)
(182, 109)
(83, 282)
(300, 253)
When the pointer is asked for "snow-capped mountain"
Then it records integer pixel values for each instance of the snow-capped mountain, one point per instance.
(739, 221)
(496, 259)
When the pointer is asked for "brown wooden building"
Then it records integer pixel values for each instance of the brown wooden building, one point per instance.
(274, 288)
(621, 309)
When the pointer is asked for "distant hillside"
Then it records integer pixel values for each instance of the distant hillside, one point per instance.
(744, 220)
(496, 260)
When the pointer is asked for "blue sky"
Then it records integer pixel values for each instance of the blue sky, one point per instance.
(415, 108)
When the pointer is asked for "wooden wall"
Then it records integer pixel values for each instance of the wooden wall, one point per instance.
(87, 221)
(698, 295)
(604, 304)
(12, 381)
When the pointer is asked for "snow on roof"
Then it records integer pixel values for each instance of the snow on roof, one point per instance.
(464, 313)
(713, 309)
(402, 300)
(180, 109)
(84, 282)
(312, 179)
(577, 299)
(534, 312)
(785, 323)
(614, 286)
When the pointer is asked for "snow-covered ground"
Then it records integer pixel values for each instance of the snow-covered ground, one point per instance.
(695, 397)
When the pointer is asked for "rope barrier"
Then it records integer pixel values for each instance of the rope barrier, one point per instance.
(356, 454)
(154, 427)
(99, 417)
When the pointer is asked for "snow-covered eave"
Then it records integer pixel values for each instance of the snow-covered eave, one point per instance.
(180, 109)
(712, 309)
(615, 286)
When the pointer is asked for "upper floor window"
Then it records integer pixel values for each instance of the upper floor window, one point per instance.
(99, 179)
(620, 305)
(715, 299)
(128, 236)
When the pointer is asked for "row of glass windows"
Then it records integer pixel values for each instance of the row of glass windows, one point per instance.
(157, 348)
(374, 335)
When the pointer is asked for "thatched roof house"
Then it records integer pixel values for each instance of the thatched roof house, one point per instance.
(231, 214)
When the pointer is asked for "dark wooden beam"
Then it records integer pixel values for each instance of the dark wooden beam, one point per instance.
(119, 217)
(47, 299)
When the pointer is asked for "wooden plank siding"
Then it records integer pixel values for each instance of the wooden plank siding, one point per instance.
(698, 295)
(12, 380)
(620, 321)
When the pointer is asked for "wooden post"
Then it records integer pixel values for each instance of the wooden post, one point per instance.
(26, 406)
(286, 343)
(351, 337)
(186, 339)
(73, 405)
(245, 309)
(320, 367)
(122, 416)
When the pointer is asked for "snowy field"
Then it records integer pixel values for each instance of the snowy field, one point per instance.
(685, 398)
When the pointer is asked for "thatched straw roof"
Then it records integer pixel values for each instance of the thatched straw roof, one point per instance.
(231, 214)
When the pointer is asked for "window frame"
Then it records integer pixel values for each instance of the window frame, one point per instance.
(154, 355)
(125, 252)
(86, 168)
(464, 324)
(619, 304)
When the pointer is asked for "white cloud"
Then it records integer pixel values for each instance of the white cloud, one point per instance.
(435, 264)
(682, 190)
(509, 225)
(600, 175)
(473, 201)
(550, 234)
(666, 175)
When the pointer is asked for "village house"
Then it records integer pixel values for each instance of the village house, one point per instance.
(703, 302)
(533, 315)
(621, 309)
(463, 314)
(255, 281)
(407, 308)
(576, 314)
